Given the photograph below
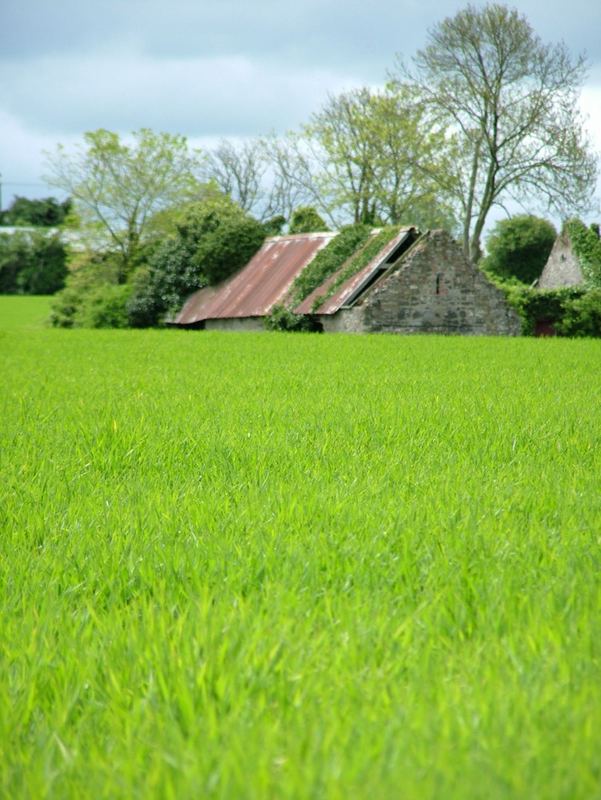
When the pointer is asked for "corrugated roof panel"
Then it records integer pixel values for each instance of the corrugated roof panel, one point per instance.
(345, 292)
(259, 286)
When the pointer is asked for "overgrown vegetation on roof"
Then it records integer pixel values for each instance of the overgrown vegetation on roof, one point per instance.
(587, 247)
(358, 261)
(328, 261)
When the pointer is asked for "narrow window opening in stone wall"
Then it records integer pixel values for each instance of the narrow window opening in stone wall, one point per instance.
(438, 282)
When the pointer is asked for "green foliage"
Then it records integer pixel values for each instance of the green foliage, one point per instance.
(213, 239)
(104, 307)
(119, 188)
(582, 316)
(291, 567)
(89, 275)
(587, 247)
(145, 305)
(32, 262)
(47, 212)
(572, 311)
(161, 288)
(359, 260)
(224, 236)
(328, 260)
(282, 319)
(306, 220)
(519, 247)
(374, 155)
(274, 226)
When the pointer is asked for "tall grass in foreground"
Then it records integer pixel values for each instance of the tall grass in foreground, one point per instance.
(299, 566)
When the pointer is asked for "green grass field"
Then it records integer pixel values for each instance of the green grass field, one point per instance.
(23, 313)
(299, 566)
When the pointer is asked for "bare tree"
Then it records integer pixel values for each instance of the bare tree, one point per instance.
(293, 175)
(511, 103)
(239, 170)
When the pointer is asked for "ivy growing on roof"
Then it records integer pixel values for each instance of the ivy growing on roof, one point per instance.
(328, 261)
(358, 261)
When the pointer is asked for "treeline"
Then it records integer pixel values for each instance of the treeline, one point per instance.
(47, 212)
(33, 260)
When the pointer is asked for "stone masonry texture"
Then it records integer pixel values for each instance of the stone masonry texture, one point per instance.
(435, 289)
(562, 267)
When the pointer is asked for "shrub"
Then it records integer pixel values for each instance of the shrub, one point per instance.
(572, 311)
(45, 212)
(274, 226)
(104, 307)
(87, 273)
(306, 220)
(582, 316)
(519, 247)
(282, 319)
(213, 239)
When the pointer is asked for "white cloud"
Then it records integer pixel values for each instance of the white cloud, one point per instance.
(21, 158)
(195, 96)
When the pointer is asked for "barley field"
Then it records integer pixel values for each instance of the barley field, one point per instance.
(298, 566)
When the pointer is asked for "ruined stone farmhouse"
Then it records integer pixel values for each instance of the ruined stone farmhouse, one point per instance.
(417, 283)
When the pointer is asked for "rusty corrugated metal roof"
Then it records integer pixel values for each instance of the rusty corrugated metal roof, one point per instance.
(260, 285)
(344, 294)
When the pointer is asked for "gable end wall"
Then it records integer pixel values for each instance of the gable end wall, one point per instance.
(436, 290)
(562, 267)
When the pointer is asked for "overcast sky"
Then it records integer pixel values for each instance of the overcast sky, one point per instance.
(215, 68)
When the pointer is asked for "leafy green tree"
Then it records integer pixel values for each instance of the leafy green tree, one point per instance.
(519, 247)
(372, 156)
(32, 263)
(511, 103)
(213, 239)
(119, 188)
(47, 212)
(306, 220)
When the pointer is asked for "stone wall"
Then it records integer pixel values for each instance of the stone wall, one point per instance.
(434, 290)
(235, 324)
(562, 267)
(347, 320)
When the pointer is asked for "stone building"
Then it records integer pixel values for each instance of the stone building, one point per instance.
(417, 283)
(562, 267)
(431, 288)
